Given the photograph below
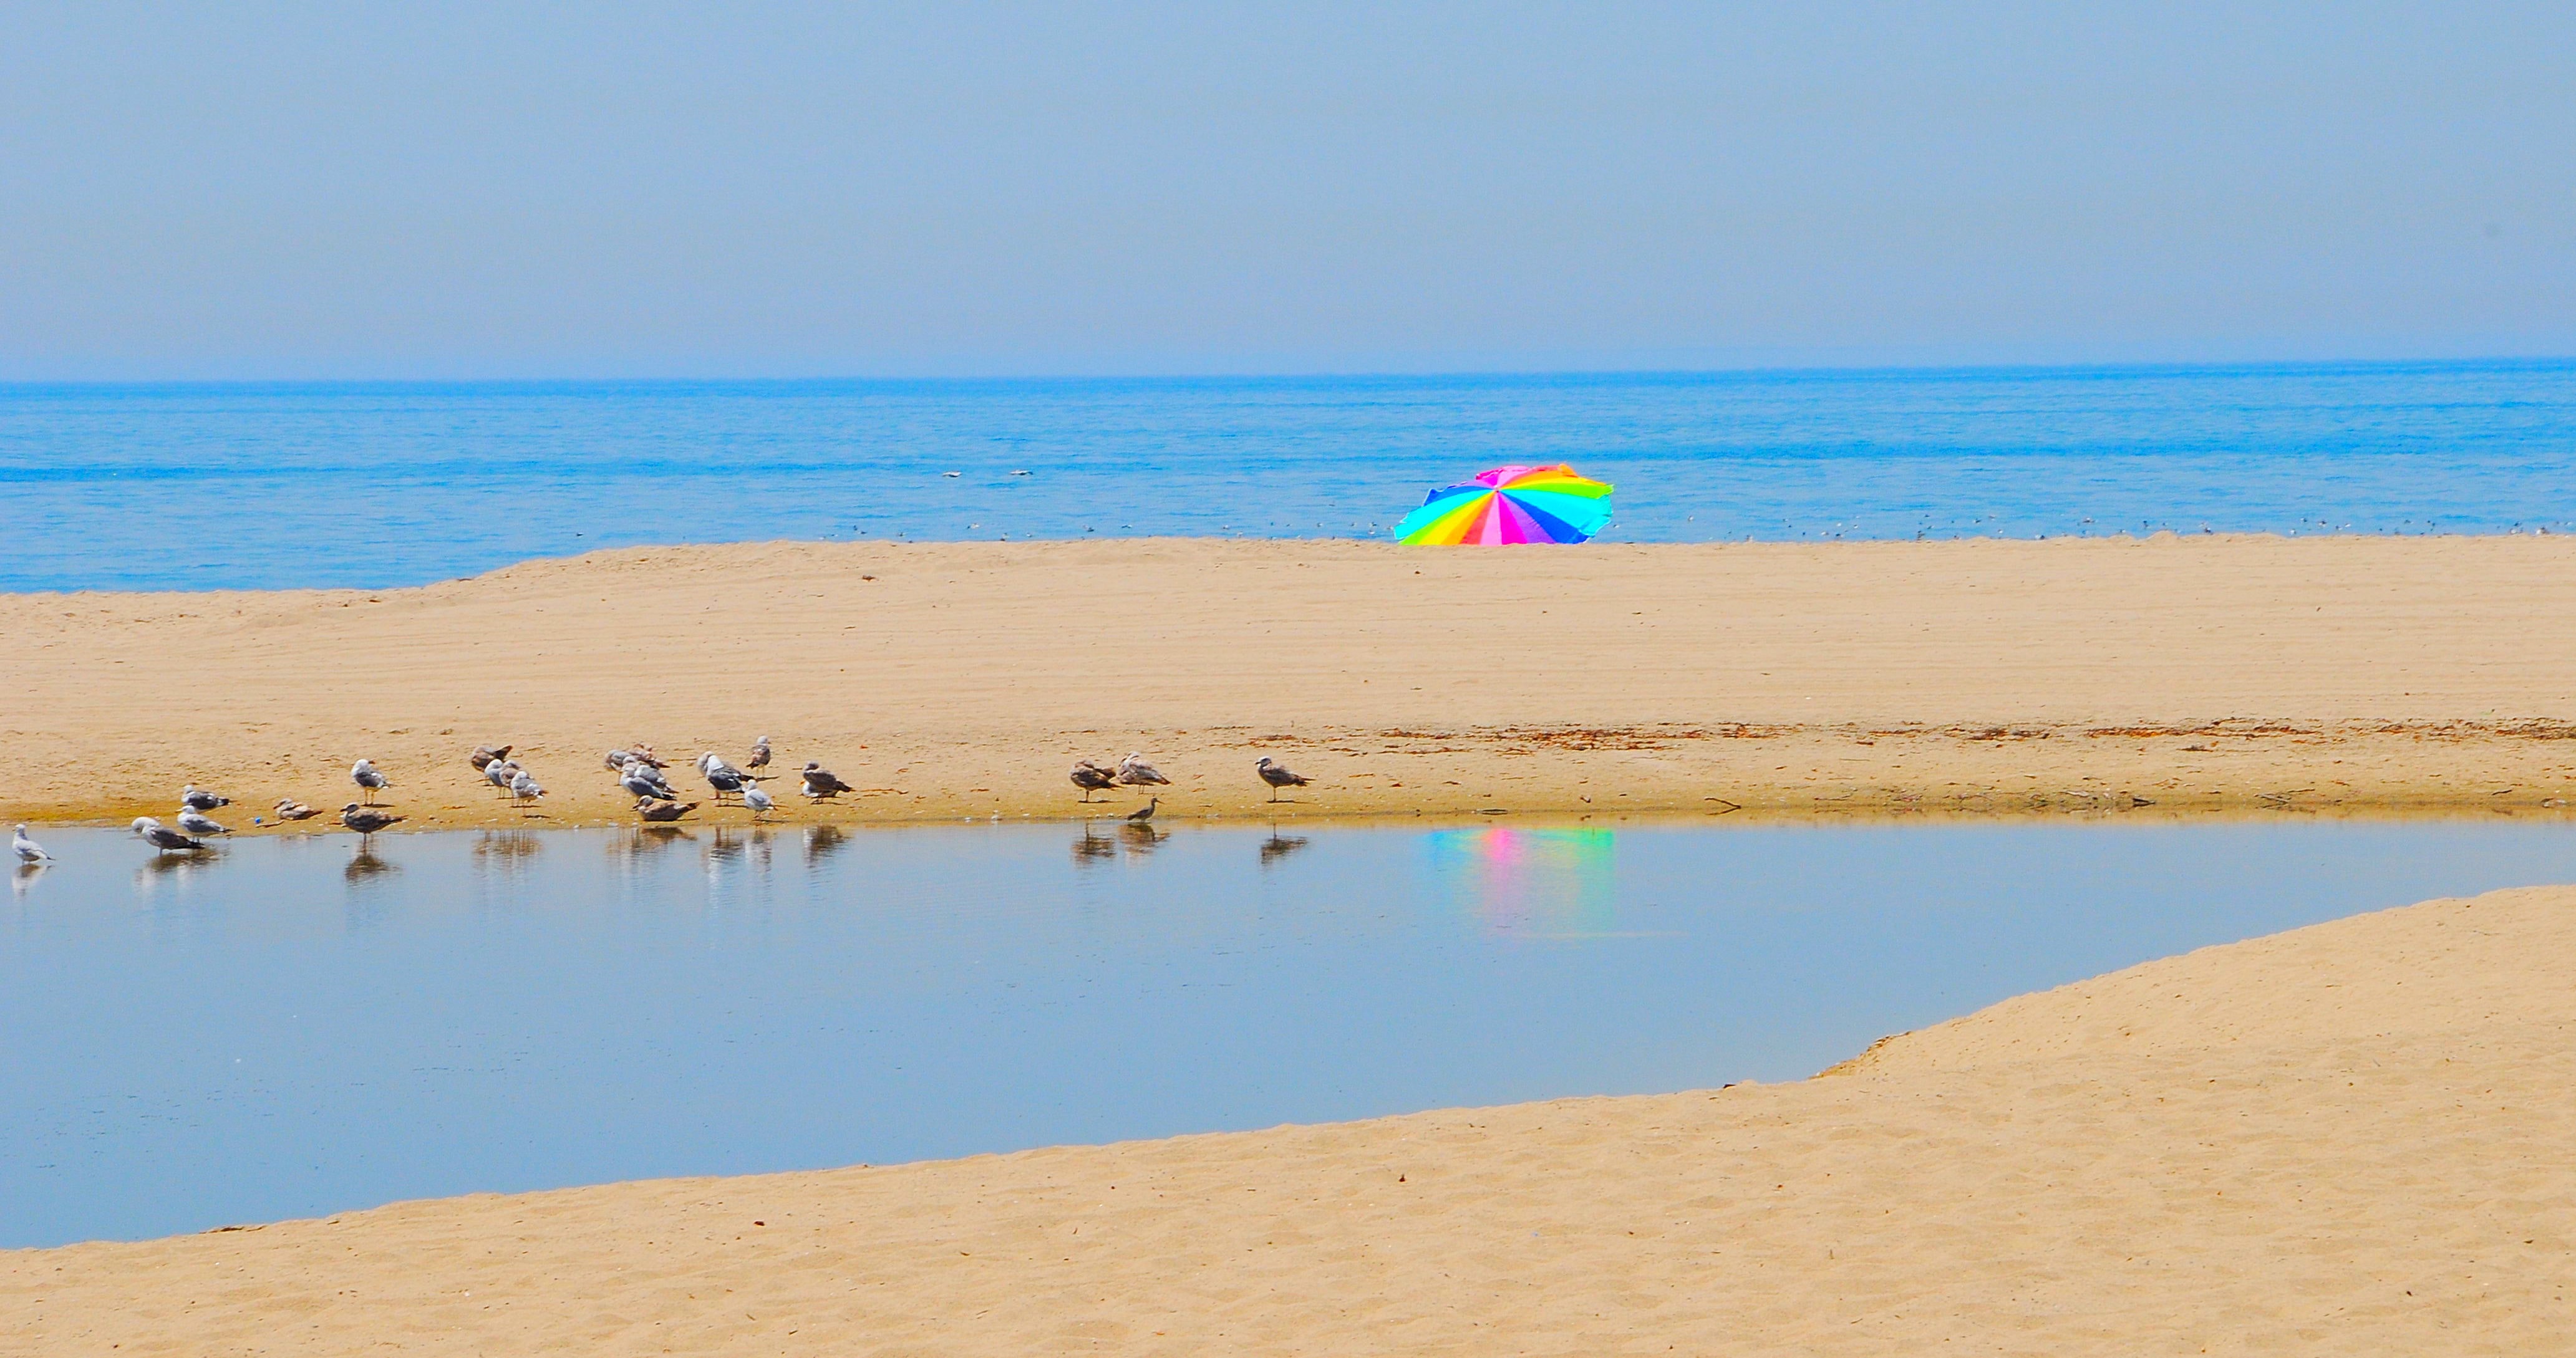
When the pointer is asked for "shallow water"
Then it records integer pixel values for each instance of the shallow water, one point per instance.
(304, 1025)
(250, 486)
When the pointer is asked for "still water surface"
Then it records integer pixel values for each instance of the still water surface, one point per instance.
(299, 1026)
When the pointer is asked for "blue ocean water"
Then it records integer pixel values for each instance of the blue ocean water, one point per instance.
(265, 486)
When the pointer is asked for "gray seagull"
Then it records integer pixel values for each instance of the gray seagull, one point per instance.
(164, 838)
(1278, 776)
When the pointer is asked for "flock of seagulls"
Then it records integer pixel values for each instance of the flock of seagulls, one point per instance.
(639, 772)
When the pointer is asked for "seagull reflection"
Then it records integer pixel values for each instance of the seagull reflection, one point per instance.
(506, 848)
(1093, 848)
(646, 841)
(1279, 846)
(23, 878)
(727, 848)
(821, 842)
(365, 866)
(1139, 838)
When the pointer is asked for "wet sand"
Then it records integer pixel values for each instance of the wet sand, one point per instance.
(2163, 676)
(2350, 1138)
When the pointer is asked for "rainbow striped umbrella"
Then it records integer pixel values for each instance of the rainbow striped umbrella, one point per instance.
(1510, 505)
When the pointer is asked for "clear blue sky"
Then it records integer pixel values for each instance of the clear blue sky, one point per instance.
(634, 190)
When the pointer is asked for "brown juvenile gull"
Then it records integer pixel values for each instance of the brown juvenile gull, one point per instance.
(653, 810)
(1278, 776)
(484, 755)
(369, 781)
(759, 755)
(820, 782)
(367, 820)
(1133, 770)
(290, 809)
(196, 798)
(1144, 813)
(1090, 777)
(162, 837)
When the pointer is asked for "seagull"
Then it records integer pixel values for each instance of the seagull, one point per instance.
(162, 837)
(640, 779)
(524, 790)
(1278, 776)
(1090, 777)
(197, 822)
(484, 755)
(759, 755)
(363, 773)
(1133, 770)
(27, 850)
(821, 783)
(290, 809)
(725, 778)
(661, 811)
(498, 772)
(758, 801)
(1144, 813)
(197, 799)
(366, 820)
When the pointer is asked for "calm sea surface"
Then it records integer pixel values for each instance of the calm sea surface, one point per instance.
(304, 1025)
(180, 487)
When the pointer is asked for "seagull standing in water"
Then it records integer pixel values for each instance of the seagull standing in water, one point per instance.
(1144, 813)
(1278, 776)
(369, 781)
(162, 837)
(1133, 770)
(366, 820)
(197, 822)
(26, 850)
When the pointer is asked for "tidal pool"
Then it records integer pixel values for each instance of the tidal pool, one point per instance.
(302, 1025)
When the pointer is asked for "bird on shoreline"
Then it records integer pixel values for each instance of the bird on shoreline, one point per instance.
(196, 822)
(498, 773)
(369, 780)
(760, 802)
(759, 756)
(26, 850)
(290, 809)
(661, 812)
(1133, 770)
(821, 783)
(196, 798)
(524, 792)
(1144, 813)
(484, 755)
(366, 820)
(723, 777)
(164, 838)
(1278, 776)
(644, 780)
(1089, 776)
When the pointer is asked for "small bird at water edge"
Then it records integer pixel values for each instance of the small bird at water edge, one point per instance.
(1144, 813)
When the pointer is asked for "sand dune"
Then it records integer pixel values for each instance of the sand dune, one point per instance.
(2351, 1138)
(959, 679)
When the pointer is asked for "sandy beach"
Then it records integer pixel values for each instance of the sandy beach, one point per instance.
(2159, 676)
(2350, 1138)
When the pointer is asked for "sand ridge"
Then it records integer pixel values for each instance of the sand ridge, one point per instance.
(953, 680)
(2349, 1138)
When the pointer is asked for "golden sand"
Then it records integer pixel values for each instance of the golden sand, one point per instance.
(2349, 1139)
(961, 679)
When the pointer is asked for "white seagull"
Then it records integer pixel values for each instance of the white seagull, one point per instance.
(369, 781)
(197, 822)
(162, 837)
(759, 802)
(524, 789)
(1133, 770)
(28, 850)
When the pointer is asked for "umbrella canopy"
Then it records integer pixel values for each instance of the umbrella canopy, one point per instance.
(1510, 505)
